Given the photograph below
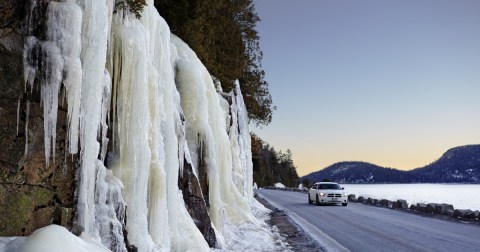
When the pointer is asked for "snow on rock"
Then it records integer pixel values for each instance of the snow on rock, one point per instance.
(279, 185)
(165, 108)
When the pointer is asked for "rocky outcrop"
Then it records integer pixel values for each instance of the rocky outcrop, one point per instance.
(400, 204)
(32, 193)
(438, 210)
(443, 209)
(196, 205)
(465, 214)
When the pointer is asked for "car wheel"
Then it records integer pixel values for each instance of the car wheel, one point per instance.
(344, 204)
(309, 201)
(317, 201)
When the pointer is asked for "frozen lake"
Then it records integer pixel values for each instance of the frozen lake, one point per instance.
(461, 196)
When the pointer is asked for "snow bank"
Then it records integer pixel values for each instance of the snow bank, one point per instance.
(279, 185)
(52, 238)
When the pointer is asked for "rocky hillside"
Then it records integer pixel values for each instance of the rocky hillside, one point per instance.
(457, 165)
(359, 172)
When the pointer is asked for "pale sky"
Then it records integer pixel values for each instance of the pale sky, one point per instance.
(394, 83)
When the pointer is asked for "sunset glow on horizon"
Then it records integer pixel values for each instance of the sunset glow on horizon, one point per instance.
(392, 83)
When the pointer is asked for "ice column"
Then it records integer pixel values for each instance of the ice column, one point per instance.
(239, 110)
(64, 29)
(147, 128)
(206, 127)
(58, 54)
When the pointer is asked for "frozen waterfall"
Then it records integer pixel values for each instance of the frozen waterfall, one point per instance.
(133, 78)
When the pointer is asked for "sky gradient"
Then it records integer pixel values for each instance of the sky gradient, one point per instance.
(394, 83)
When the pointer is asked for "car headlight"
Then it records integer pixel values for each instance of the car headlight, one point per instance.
(345, 194)
(322, 194)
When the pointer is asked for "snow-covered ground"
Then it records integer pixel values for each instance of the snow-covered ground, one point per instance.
(246, 237)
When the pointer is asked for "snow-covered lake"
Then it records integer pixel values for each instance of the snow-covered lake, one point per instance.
(461, 196)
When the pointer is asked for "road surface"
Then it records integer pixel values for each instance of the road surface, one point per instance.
(360, 227)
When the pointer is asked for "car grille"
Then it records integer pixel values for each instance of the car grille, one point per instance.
(332, 195)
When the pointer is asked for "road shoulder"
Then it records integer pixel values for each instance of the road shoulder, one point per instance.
(292, 233)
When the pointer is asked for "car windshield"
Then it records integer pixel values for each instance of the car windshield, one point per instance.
(329, 186)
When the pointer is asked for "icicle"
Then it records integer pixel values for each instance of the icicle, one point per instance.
(244, 142)
(236, 146)
(51, 81)
(33, 4)
(106, 97)
(30, 61)
(94, 49)
(109, 209)
(64, 29)
(27, 135)
(18, 113)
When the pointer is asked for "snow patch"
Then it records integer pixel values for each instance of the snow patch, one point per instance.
(52, 238)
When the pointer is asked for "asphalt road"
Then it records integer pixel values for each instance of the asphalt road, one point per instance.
(359, 227)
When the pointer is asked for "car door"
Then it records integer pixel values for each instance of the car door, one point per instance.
(313, 192)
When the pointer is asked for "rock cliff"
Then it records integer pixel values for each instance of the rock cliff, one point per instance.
(32, 194)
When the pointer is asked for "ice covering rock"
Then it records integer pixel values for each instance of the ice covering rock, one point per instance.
(132, 80)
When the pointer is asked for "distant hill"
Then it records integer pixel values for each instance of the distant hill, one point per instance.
(457, 165)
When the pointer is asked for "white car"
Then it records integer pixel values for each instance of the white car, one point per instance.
(327, 193)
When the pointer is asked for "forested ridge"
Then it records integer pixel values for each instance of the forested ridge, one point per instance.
(270, 166)
(457, 165)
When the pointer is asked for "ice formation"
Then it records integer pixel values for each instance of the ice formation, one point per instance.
(162, 107)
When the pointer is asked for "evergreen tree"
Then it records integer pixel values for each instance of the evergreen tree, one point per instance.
(223, 35)
(270, 166)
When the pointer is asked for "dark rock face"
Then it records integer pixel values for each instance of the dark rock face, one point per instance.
(476, 213)
(385, 203)
(421, 207)
(196, 206)
(370, 201)
(400, 204)
(464, 213)
(431, 207)
(443, 208)
(32, 194)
